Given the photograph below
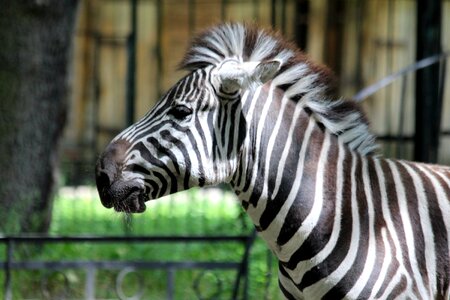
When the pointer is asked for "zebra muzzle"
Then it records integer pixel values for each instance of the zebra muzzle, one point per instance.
(128, 198)
(124, 195)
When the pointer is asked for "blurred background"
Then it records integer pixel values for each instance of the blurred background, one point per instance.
(73, 74)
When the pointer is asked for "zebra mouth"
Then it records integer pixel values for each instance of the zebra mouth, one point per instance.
(134, 202)
(124, 196)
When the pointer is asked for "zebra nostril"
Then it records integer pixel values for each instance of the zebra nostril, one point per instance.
(102, 180)
(103, 185)
(108, 172)
(102, 173)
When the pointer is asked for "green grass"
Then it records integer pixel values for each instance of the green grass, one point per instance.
(193, 213)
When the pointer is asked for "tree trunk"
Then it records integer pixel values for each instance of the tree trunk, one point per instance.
(35, 46)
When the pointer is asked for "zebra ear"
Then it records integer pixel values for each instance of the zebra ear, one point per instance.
(266, 71)
(234, 75)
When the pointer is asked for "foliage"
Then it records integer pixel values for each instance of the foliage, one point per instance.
(195, 212)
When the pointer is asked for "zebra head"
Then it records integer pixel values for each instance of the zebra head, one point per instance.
(192, 137)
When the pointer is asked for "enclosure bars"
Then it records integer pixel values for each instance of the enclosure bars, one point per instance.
(243, 269)
(127, 267)
(428, 103)
(440, 59)
(131, 65)
(7, 268)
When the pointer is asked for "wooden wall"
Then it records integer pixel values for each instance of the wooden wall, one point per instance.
(378, 38)
(363, 41)
(98, 102)
(444, 149)
(386, 43)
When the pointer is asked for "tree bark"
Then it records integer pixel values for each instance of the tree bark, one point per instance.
(36, 38)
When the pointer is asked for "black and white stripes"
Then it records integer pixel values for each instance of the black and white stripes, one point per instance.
(254, 112)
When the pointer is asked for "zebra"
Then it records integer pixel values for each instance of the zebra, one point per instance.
(255, 112)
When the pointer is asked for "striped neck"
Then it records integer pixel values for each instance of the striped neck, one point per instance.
(282, 162)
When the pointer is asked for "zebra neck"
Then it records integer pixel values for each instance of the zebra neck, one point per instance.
(282, 179)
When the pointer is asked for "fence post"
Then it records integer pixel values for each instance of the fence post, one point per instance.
(171, 284)
(89, 289)
(428, 104)
(8, 265)
(244, 268)
(131, 72)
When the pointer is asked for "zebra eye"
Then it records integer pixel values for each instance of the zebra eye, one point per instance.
(179, 112)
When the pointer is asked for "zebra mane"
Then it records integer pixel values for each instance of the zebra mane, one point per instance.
(301, 80)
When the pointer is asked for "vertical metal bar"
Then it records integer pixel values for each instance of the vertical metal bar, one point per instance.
(283, 16)
(442, 77)
(243, 270)
(191, 16)
(441, 90)
(400, 142)
(389, 57)
(131, 66)
(223, 9)
(334, 34)
(256, 10)
(89, 291)
(171, 284)
(8, 265)
(248, 246)
(301, 20)
(159, 58)
(360, 9)
(273, 13)
(428, 105)
(95, 123)
(268, 276)
(237, 282)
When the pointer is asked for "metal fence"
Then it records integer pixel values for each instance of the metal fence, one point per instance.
(192, 245)
(126, 268)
